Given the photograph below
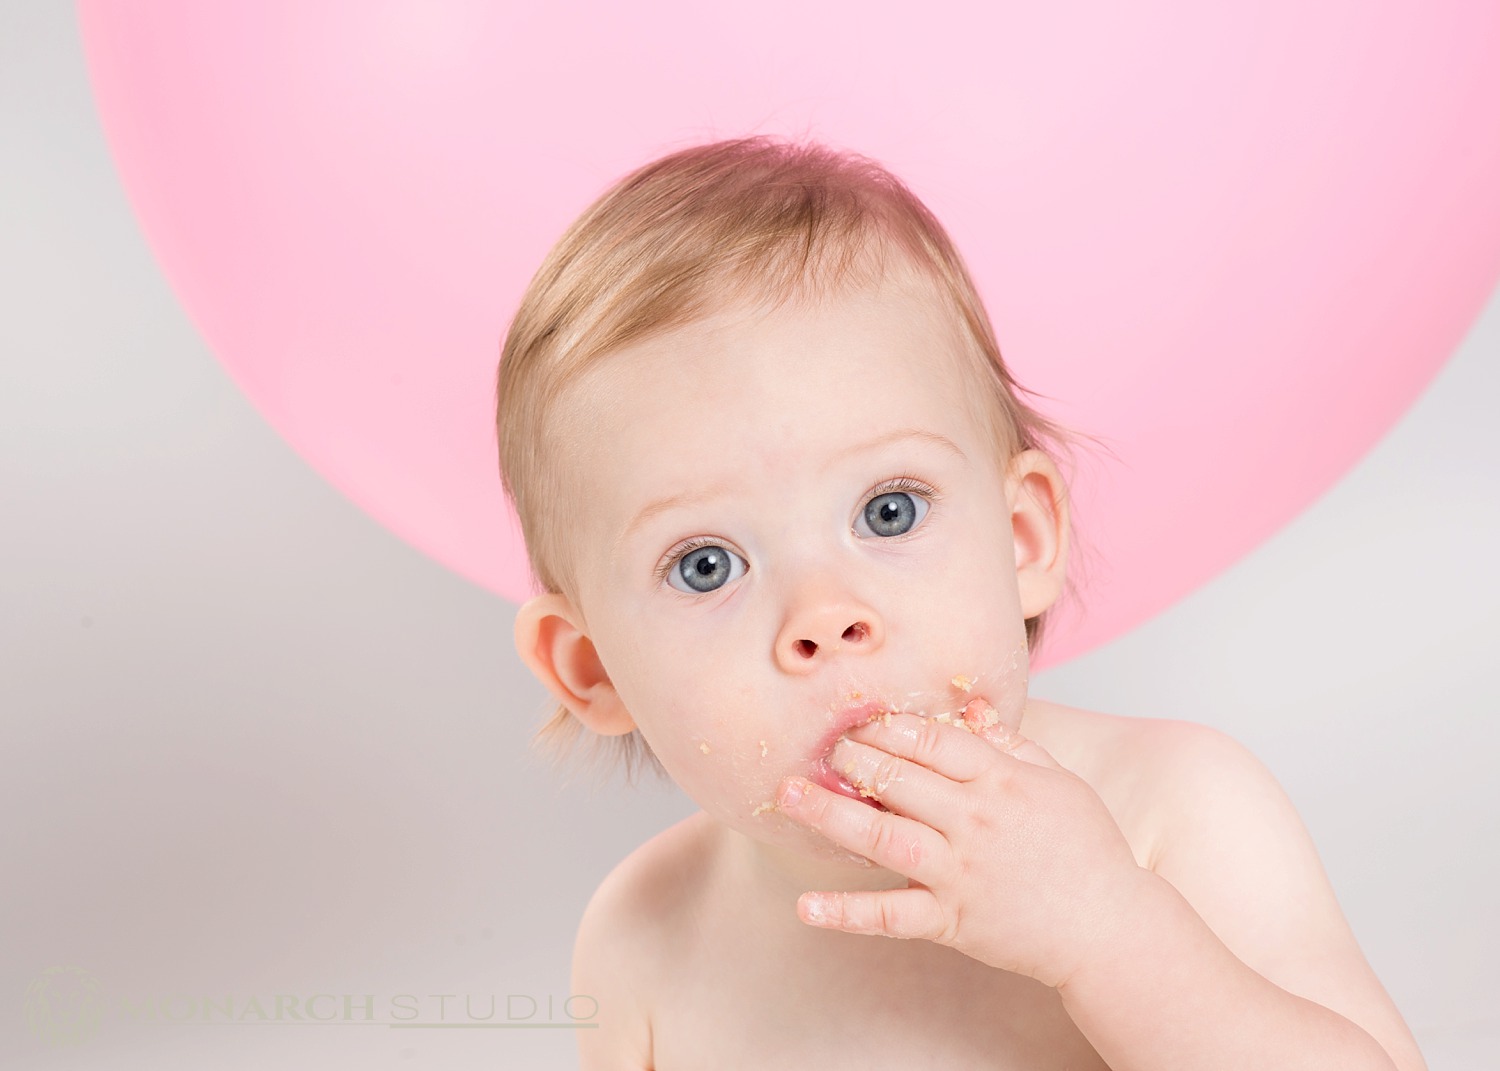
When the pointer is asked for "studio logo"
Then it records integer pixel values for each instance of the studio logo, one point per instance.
(67, 1005)
(64, 1005)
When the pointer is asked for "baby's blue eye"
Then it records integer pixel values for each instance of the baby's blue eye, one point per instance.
(893, 513)
(703, 565)
(705, 568)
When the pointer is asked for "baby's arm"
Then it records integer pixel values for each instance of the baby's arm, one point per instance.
(611, 962)
(1233, 846)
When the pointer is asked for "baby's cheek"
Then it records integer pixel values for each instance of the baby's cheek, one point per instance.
(735, 778)
(707, 758)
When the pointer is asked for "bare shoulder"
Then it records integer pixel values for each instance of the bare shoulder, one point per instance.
(1116, 755)
(1224, 833)
(630, 939)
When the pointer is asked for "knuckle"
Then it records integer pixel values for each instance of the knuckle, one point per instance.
(881, 839)
(925, 748)
(964, 871)
(951, 928)
(816, 812)
(980, 823)
(996, 780)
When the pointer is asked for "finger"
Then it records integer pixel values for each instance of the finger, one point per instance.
(901, 785)
(886, 839)
(984, 721)
(1028, 750)
(939, 747)
(904, 913)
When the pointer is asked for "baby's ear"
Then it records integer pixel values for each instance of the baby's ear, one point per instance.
(1039, 521)
(560, 654)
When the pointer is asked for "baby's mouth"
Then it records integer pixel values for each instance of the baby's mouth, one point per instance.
(823, 771)
(824, 774)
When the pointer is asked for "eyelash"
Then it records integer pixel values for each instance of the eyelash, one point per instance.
(898, 483)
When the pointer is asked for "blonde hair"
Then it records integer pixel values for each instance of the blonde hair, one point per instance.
(677, 240)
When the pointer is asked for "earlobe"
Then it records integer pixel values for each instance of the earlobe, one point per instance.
(561, 655)
(1039, 521)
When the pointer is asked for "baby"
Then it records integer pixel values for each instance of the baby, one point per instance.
(797, 534)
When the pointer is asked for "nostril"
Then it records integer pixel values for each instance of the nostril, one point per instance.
(853, 634)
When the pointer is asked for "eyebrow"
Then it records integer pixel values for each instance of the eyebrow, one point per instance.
(691, 498)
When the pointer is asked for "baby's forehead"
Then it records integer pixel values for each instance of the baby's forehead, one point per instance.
(923, 308)
(856, 378)
(671, 382)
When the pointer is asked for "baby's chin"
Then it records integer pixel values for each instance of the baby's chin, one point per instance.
(765, 823)
(804, 843)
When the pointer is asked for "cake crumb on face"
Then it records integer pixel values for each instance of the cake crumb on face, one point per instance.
(762, 749)
(962, 683)
(703, 747)
(769, 805)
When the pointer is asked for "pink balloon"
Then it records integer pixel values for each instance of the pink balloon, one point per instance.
(1235, 241)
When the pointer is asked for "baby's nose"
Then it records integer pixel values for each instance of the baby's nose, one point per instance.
(855, 633)
(810, 641)
(826, 614)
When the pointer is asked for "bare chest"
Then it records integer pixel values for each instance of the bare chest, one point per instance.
(890, 1004)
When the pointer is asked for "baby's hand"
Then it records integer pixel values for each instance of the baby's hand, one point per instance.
(1011, 859)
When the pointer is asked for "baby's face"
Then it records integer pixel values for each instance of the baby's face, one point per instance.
(786, 516)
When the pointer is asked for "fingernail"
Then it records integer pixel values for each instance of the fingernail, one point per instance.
(791, 792)
(980, 715)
